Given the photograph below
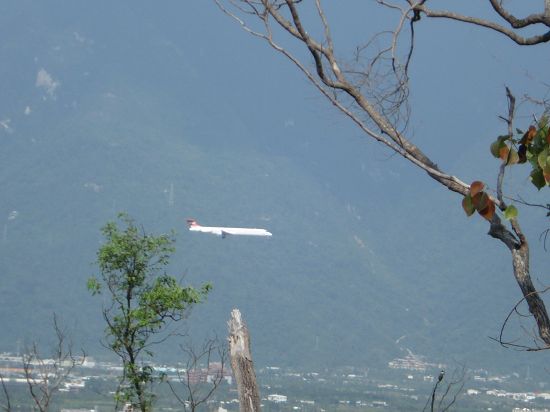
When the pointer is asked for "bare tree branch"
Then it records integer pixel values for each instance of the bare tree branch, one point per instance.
(7, 406)
(366, 103)
(515, 23)
(536, 18)
(205, 370)
(395, 141)
(45, 376)
(537, 345)
(455, 386)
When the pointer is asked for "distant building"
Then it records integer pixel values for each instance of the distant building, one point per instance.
(128, 408)
(277, 398)
(379, 404)
(87, 362)
(78, 410)
(411, 362)
(214, 371)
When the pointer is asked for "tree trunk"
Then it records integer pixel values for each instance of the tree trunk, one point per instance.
(242, 365)
(520, 260)
(519, 248)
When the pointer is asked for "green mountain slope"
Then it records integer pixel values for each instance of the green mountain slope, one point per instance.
(143, 116)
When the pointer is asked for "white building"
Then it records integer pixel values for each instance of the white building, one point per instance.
(276, 398)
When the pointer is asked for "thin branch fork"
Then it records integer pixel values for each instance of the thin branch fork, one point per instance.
(400, 144)
(196, 394)
(505, 343)
(515, 23)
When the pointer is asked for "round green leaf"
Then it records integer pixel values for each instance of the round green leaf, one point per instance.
(511, 212)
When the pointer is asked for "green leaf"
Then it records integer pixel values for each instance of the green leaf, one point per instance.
(93, 286)
(513, 157)
(468, 206)
(497, 145)
(511, 212)
(537, 178)
(495, 148)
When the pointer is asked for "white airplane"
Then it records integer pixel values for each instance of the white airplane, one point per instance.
(225, 231)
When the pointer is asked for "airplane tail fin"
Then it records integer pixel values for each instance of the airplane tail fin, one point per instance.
(192, 222)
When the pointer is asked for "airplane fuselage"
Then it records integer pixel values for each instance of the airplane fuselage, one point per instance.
(225, 231)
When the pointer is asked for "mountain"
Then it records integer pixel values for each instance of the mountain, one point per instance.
(110, 107)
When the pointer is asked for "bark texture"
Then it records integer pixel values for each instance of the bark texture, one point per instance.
(520, 260)
(242, 365)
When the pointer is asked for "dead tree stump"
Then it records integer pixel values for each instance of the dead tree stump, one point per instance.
(242, 365)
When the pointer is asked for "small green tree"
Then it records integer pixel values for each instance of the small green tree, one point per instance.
(142, 301)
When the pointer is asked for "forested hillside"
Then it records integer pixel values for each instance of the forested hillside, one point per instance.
(107, 108)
